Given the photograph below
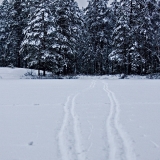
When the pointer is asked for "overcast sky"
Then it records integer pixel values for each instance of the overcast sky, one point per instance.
(81, 3)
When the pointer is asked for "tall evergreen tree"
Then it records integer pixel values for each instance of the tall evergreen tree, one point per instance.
(17, 22)
(154, 12)
(38, 43)
(5, 56)
(98, 28)
(144, 35)
(121, 38)
(82, 48)
(68, 23)
(132, 37)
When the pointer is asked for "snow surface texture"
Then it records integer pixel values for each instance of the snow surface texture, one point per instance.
(22, 73)
(16, 73)
(82, 119)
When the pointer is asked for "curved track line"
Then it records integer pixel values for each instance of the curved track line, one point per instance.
(62, 139)
(91, 130)
(76, 126)
(78, 144)
(115, 132)
(69, 116)
(92, 85)
(111, 141)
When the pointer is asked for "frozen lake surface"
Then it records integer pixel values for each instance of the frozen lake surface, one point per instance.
(80, 119)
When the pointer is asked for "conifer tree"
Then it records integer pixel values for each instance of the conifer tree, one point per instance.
(132, 38)
(144, 35)
(68, 22)
(154, 12)
(82, 48)
(38, 43)
(5, 56)
(17, 22)
(98, 29)
(121, 38)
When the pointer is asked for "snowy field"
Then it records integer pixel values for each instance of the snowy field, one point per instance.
(82, 119)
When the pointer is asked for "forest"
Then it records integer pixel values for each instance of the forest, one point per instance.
(57, 36)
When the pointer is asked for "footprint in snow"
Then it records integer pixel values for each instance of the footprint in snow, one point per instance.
(30, 143)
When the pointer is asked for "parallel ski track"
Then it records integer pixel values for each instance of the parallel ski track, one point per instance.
(61, 137)
(69, 113)
(120, 145)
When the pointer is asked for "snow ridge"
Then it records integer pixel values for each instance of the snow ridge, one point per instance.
(120, 144)
(61, 137)
(78, 145)
(70, 129)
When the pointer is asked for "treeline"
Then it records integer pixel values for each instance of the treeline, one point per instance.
(58, 36)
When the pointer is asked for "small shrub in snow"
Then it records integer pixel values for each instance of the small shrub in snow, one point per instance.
(123, 76)
(153, 76)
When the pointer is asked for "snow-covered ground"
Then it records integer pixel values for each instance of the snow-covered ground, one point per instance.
(16, 73)
(81, 119)
(22, 73)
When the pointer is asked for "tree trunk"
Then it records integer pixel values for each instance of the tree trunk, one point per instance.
(38, 72)
(44, 72)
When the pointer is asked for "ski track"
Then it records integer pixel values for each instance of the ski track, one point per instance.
(119, 143)
(155, 144)
(61, 137)
(78, 145)
(91, 130)
(70, 115)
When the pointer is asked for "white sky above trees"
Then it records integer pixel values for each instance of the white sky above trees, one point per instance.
(81, 3)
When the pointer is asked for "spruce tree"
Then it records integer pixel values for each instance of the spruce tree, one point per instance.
(98, 29)
(121, 39)
(154, 12)
(38, 43)
(5, 56)
(68, 22)
(17, 22)
(144, 36)
(132, 38)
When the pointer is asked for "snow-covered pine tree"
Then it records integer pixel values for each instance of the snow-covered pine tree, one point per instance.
(133, 58)
(17, 22)
(143, 33)
(68, 24)
(132, 38)
(121, 39)
(5, 56)
(154, 12)
(98, 30)
(76, 32)
(114, 9)
(157, 37)
(82, 48)
(38, 43)
(87, 54)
